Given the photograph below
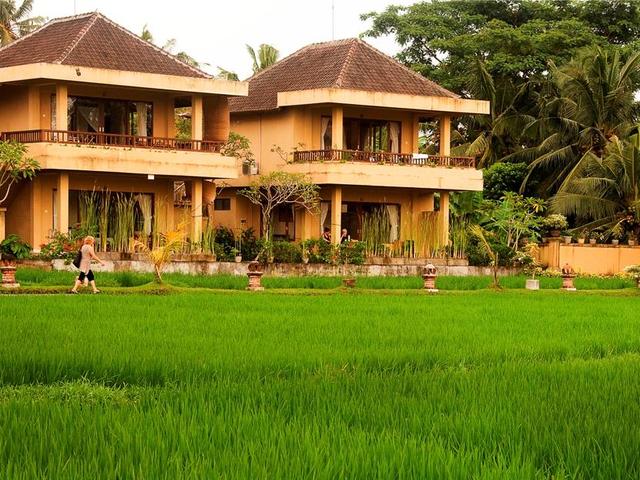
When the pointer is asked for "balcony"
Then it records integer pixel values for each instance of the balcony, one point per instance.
(116, 153)
(383, 158)
(386, 169)
(111, 140)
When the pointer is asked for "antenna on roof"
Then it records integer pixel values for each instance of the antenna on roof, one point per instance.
(333, 19)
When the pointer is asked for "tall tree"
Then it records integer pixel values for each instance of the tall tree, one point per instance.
(15, 21)
(604, 192)
(592, 104)
(170, 46)
(264, 57)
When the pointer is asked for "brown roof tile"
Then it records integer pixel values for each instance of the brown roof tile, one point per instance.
(349, 64)
(92, 40)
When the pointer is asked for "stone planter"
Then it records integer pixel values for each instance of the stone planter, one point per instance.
(593, 241)
(581, 241)
(615, 241)
(554, 233)
(9, 276)
(349, 282)
(567, 282)
(238, 258)
(255, 277)
(567, 240)
(532, 284)
(631, 243)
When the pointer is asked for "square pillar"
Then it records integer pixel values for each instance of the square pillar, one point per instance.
(62, 200)
(337, 127)
(336, 215)
(444, 218)
(170, 108)
(197, 122)
(415, 138)
(196, 209)
(62, 119)
(445, 135)
(3, 223)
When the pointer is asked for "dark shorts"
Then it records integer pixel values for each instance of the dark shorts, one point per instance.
(89, 276)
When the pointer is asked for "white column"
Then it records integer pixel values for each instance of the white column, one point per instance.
(62, 122)
(196, 209)
(337, 120)
(62, 206)
(336, 214)
(197, 121)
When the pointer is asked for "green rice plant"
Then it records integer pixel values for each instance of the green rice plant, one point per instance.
(124, 221)
(104, 216)
(89, 203)
(376, 231)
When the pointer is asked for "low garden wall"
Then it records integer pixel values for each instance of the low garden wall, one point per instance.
(589, 259)
(204, 267)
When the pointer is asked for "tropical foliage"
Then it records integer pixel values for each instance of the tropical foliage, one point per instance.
(15, 21)
(15, 166)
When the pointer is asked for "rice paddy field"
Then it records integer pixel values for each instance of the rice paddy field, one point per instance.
(377, 382)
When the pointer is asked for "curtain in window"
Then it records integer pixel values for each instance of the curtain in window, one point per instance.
(394, 218)
(394, 137)
(324, 212)
(90, 116)
(141, 111)
(144, 202)
(325, 127)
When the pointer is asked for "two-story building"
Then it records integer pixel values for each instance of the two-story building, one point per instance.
(96, 105)
(349, 117)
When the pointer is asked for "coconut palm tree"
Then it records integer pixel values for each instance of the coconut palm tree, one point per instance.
(591, 105)
(15, 21)
(604, 192)
(264, 57)
(513, 106)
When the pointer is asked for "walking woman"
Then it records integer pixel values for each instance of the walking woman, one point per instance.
(88, 254)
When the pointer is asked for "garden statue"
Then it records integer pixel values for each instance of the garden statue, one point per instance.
(567, 278)
(429, 274)
(255, 276)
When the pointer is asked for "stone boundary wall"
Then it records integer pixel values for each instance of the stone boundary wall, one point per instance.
(589, 259)
(275, 270)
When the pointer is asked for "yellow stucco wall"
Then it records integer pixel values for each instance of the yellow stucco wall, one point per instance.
(589, 259)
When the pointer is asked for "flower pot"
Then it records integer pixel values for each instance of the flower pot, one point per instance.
(631, 243)
(554, 233)
(592, 241)
(532, 284)
(567, 240)
(238, 258)
(615, 241)
(581, 241)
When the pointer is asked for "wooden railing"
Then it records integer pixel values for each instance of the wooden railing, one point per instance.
(111, 140)
(382, 158)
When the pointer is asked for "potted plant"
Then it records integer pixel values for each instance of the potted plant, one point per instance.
(236, 253)
(593, 238)
(529, 260)
(554, 224)
(633, 271)
(632, 240)
(582, 236)
(567, 238)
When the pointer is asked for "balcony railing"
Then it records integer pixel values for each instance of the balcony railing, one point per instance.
(111, 140)
(382, 158)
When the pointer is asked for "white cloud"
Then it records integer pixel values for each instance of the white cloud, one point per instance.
(215, 32)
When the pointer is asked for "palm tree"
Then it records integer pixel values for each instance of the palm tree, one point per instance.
(264, 57)
(225, 74)
(15, 22)
(169, 46)
(604, 192)
(513, 106)
(592, 104)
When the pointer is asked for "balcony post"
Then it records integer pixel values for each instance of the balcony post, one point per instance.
(415, 143)
(62, 122)
(3, 223)
(337, 120)
(197, 122)
(196, 209)
(62, 200)
(445, 135)
(336, 214)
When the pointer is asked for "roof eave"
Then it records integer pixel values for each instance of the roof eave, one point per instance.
(364, 98)
(121, 78)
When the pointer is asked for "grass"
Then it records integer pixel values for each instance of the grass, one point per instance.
(208, 384)
(35, 277)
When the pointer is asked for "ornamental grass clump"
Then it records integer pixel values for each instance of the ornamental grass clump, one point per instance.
(170, 243)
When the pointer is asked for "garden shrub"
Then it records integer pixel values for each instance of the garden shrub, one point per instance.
(319, 251)
(14, 247)
(250, 246)
(352, 252)
(286, 252)
(225, 243)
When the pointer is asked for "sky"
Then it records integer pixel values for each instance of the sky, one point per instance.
(215, 32)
